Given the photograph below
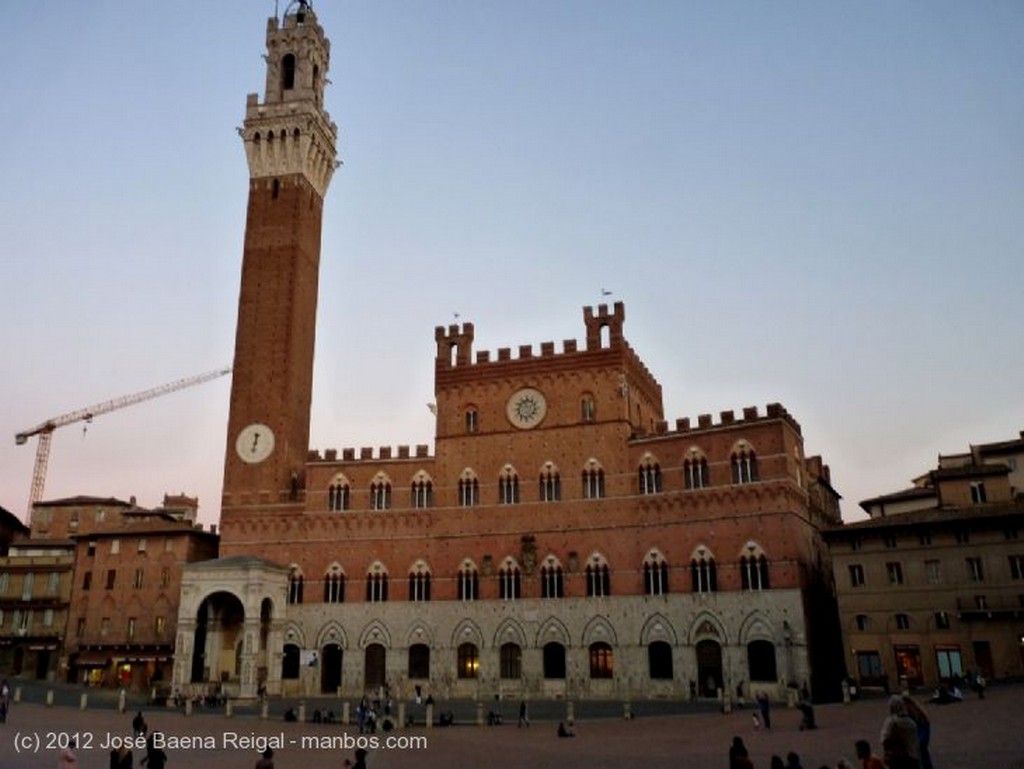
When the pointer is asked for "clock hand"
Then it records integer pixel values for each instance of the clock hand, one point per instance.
(255, 440)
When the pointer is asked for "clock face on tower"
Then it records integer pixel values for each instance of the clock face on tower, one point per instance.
(255, 443)
(526, 408)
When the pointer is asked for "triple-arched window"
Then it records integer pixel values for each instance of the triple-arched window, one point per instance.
(469, 489)
(380, 493)
(593, 480)
(655, 574)
(551, 584)
(744, 463)
(508, 486)
(754, 568)
(598, 576)
(510, 583)
(419, 582)
(469, 581)
(377, 583)
(649, 477)
(695, 470)
(334, 585)
(338, 494)
(703, 571)
(550, 483)
(422, 491)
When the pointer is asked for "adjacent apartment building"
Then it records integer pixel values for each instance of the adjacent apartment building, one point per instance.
(931, 587)
(89, 591)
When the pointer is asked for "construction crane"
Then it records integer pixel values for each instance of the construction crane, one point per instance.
(45, 430)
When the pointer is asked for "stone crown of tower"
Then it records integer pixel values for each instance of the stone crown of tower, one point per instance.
(290, 132)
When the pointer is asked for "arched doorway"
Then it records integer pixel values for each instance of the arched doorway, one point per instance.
(554, 661)
(216, 656)
(375, 667)
(709, 668)
(330, 668)
(290, 663)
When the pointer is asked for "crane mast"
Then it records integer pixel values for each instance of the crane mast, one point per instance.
(44, 431)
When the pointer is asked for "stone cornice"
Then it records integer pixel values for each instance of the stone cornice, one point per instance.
(290, 138)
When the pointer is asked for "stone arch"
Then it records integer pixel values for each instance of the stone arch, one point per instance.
(419, 633)
(332, 632)
(658, 627)
(294, 634)
(599, 629)
(219, 641)
(375, 632)
(752, 549)
(467, 631)
(553, 629)
(756, 627)
(509, 631)
(706, 626)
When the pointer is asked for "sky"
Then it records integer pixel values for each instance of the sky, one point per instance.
(818, 204)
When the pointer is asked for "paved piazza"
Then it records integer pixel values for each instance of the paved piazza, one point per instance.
(988, 734)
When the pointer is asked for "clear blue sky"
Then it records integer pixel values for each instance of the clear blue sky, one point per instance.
(820, 204)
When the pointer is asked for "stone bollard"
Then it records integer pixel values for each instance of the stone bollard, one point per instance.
(480, 714)
(83, 701)
(49, 698)
(188, 706)
(264, 710)
(228, 709)
(627, 710)
(430, 716)
(302, 711)
(17, 694)
(727, 703)
(122, 701)
(570, 711)
(401, 716)
(346, 713)
(846, 692)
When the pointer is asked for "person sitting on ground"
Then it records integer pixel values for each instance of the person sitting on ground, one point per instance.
(565, 731)
(289, 715)
(739, 757)
(868, 760)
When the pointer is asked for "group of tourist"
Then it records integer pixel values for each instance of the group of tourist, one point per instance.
(905, 736)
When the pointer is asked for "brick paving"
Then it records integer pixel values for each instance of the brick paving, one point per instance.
(987, 734)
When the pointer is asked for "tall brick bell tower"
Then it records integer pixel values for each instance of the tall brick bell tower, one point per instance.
(290, 148)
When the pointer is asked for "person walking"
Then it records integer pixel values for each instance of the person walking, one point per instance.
(765, 706)
(155, 758)
(523, 720)
(267, 762)
(902, 750)
(924, 729)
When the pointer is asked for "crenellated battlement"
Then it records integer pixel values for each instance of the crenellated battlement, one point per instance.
(727, 419)
(367, 454)
(455, 343)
